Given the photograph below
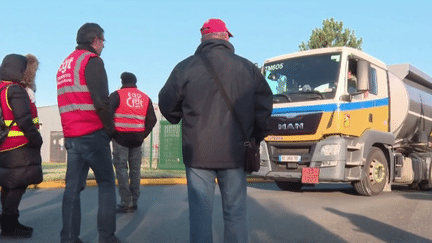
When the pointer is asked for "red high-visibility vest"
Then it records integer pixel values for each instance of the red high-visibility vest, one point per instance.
(15, 136)
(77, 112)
(131, 114)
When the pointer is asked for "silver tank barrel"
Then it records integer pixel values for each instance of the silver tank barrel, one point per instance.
(410, 102)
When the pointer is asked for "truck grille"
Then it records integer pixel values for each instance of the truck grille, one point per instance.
(304, 150)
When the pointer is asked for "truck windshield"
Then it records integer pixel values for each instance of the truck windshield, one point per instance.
(304, 78)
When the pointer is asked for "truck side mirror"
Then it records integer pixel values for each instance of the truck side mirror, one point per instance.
(363, 68)
(345, 97)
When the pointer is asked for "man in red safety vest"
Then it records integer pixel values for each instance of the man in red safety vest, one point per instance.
(87, 121)
(134, 119)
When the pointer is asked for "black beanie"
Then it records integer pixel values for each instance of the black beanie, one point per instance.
(128, 78)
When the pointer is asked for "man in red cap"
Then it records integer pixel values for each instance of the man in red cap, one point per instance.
(215, 28)
(213, 143)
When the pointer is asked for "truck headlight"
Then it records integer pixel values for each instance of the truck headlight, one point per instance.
(330, 149)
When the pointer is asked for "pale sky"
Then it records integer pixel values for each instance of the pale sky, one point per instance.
(150, 38)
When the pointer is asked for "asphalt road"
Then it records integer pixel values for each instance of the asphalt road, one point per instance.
(325, 213)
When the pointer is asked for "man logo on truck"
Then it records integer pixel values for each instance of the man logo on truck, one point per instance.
(290, 126)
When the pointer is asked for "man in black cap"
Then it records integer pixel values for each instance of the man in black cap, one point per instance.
(134, 119)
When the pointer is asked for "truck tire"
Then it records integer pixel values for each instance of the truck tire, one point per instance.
(426, 185)
(375, 174)
(289, 185)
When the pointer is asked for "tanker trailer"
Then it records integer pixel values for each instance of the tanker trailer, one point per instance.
(410, 93)
(341, 115)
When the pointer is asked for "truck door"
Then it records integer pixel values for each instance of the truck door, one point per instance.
(368, 108)
(375, 100)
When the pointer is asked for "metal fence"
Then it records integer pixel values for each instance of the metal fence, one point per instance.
(162, 149)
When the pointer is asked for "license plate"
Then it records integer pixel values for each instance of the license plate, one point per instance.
(310, 175)
(289, 158)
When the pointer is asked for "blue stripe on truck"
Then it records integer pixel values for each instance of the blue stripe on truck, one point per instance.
(334, 106)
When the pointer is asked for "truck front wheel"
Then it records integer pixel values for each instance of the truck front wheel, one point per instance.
(289, 185)
(375, 174)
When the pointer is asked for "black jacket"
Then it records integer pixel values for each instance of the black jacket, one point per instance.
(20, 166)
(132, 139)
(211, 137)
(97, 83)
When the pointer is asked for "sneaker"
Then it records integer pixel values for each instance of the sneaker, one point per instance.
(124, 209)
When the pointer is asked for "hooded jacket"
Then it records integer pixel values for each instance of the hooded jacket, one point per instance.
(211, 137)
(20, 166)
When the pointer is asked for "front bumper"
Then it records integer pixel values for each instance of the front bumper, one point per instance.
(332, 166)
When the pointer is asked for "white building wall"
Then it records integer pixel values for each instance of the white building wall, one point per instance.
(49, 118)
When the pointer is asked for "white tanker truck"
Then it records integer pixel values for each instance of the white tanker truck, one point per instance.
(340, 115)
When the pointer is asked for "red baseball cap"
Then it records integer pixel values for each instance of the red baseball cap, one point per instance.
(214, 25)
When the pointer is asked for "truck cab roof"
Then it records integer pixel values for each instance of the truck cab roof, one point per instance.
(351, 51)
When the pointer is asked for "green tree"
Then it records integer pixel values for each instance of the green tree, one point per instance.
(332, 34)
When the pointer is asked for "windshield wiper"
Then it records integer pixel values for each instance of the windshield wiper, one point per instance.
(284, 95)
(314, 92)
(308, 92)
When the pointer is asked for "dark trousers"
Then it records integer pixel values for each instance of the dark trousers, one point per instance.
(11, 198)
(128, 181)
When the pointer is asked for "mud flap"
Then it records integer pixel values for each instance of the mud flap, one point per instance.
(387, 187)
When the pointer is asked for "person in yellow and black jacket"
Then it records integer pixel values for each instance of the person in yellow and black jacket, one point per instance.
(134, 119)
(20, 159)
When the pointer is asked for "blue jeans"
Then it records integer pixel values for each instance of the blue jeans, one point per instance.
(124, 157)
(201, 188)
(89, 151)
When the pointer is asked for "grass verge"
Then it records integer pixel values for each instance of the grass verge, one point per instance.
(57, 172)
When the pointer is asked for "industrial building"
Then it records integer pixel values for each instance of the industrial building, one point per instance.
(53, 149)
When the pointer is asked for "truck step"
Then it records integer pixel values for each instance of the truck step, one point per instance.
(350, 178)
(356, 147)
(353, 163)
